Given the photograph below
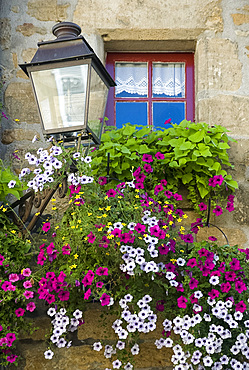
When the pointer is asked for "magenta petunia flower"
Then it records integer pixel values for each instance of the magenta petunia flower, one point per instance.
(116, 232)
(102, 271)
(147, 158)
(219, 179)
(102, 180)
(87, 293)
(230, 207)
(225, 287)
(13, 278)
(46, 227)
(203, 252)
(63, 295)
(230, 198)
(202, 206)
(158, 188)
(19, 312)
(1, 260)
(240, 286)
(99, 284)
(214, 294)
(181, 301)
(192, 262)
(31, 306)
(193, 283)
(188, 238)
(28, 294)
(66, 249)
(147, 168)
(105, 299)
(27, 272)
(241, 306)
(91, 237)
(212, 182)
(111, 193)
(140, 228)
(212, 238)
(235, 264)
(12, 358)
(218, 211)
(164, 249)
(139, 185)
(159, 155)
(230, 275)
(177, 196)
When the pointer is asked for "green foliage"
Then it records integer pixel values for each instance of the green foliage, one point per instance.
(193, 153)
(7, 176)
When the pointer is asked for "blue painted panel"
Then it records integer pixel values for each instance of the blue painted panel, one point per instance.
(133, 112)
(168, 110)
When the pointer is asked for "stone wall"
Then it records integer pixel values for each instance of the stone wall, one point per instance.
(216, 30)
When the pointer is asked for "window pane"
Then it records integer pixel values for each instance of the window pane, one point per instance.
(131, 80)
(62, 94)
(168, 110)
(168, 80)
(135, 113)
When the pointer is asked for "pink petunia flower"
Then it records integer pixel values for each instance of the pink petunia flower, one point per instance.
(99, 284)
(64, 295)
(147, 158)
(46, 227)
(31, 306)
(159, 155)
(193, 283)
(27, 272)
(241, 306)
(13, 278)
(19, 312)
(91, 237)
(102, 271)
(27, 284)
(28, 294)
(111, 193)
(87, 293)
(105, 299)
(202, 206)
(1, 260)
(181, 301)
(218, 211)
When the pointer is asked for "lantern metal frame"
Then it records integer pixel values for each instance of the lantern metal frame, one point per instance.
(68, 49)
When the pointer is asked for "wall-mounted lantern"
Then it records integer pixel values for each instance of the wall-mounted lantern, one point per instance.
(70, 84)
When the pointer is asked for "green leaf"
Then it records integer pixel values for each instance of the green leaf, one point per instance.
(198, 136)
(143, 132)
(187, 177)
(129, 130)
(186, 145)
(124, 149)
(223, 146)
(232, 184)
(203, 190)
(143, 149)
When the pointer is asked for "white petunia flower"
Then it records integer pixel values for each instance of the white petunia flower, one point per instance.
(48, 354)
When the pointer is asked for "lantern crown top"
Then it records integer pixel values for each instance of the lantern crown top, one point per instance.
(66, 30)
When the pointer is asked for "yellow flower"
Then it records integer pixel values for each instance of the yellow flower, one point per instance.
(109, 224)
(104, 215)
(173, 260)
(181, 250)
(86, 238)
(13, 231)
(167, 235)
(79, 221)
(171, 223)
(89, 214)
(76, 256)
(120, 197)
(73, 213)
(165, 226)
(136, 196)
(73, 227)
(169, 212)
(106, 198)
(140, 238)
(185, 216)
(166, 202)
(57, 227)
(150, 203)
(101, 209)
(159, 202)
(137, 190)
(77, 196)
(108, 208)
(70, 201)
(118, 243)
(182, 228)
(28, 241)
(100, 229)
(63, 238)
(53, 200)
(124, 224)
(108, 254)
(81, 192)
(37, 213)
(99, 216)
(73, 266)
(17, 120)
(60, 185)
(4, 209)
(54, 208)
(179, 219)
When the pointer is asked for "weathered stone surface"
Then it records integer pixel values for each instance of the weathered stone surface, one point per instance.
(17, 96)
(10, 135)
(230, 111)
(5, 33)
(47, 10)
(135, 16)
(15, 9)
(28, 29)
(217, 65)
(14, 57)
(239, 18)
(27, 54)
(241, 213)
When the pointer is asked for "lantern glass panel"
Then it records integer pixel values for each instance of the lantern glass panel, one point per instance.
(97, 103)
(61, 95)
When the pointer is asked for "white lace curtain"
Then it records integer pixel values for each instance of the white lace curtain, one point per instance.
(168, 79)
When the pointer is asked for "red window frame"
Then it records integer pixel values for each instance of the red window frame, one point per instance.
(187, 58)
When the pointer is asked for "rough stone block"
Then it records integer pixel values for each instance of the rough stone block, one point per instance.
(10, 135)
(20, 103)
(217, 65)
(5, 33)
(28, 29)
(47, 10)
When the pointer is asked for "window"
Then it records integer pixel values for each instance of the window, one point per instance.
(152, 88)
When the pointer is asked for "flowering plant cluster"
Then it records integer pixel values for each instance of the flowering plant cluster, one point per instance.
(130, 250)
